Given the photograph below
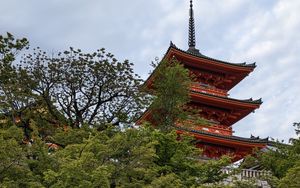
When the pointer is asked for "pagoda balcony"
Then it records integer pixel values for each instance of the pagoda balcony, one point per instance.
(212, 128)
(204, 88)
(217, 129)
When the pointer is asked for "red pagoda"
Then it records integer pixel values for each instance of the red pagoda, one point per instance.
(209, 94)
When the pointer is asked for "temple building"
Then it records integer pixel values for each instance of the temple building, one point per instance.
(209, 94)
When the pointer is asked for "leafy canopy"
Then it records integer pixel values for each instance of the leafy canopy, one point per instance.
(171, 90)
(91, 92)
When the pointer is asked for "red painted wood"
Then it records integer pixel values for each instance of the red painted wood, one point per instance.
(209, 94)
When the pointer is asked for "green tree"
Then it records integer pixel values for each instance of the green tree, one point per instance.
(282, 157)
(292, 177)
(10, 47)
(15, 170)
(283, 161)
(171, 93)
(131, 158)
(88, 88)
(14, 93)
(177, 155)
(107, 158)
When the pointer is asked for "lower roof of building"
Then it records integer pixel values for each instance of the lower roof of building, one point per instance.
(227, 137)
(250, 101)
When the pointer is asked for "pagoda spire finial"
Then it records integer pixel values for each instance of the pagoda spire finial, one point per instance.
(192, 37)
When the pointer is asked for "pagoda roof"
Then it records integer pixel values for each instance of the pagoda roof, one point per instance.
(227, 137)
(198, 54)
(226, 140)
(237, 108)
(241, 101)
(240, 108)
(242, 146)
(235, 71)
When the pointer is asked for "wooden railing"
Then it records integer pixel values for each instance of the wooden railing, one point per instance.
(247, 173)
(198, 87)
(212, 128)
(216, 129)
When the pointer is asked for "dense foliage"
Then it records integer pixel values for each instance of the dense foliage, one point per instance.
(74, 87)
(110, 158)
(170, 89)
(282, 160)
(62, 124)
(14, 82)
(92, 88)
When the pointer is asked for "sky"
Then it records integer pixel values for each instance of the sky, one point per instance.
(263, 31)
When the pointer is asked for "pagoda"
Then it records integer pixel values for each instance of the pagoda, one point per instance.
(213, 79)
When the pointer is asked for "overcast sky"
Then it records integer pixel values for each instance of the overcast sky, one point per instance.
(263, 31)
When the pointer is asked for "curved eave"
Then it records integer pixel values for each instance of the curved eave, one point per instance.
(144, 117)
(243, 107)
(201, 62)
(233, 66)
(225, 102)
(208, 63)
(239, 70)
(231, 141)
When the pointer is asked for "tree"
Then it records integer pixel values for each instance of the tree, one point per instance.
(14, 81)
(171, 89)
(92, 88)
(109, 158)
(292, 177)
(171, 93)
(132, 158)
(88, 91)
(283, 161)
(283, 157)
(179, 156)
(14, 167)
(45, 76)
(10, 47)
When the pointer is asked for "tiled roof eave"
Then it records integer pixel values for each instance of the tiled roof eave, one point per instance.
(249, 101)
(251, 65)
(235, 138)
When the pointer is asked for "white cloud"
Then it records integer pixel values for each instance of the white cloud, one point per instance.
(272, 39)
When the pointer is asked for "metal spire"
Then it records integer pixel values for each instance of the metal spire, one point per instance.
(192, 38)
